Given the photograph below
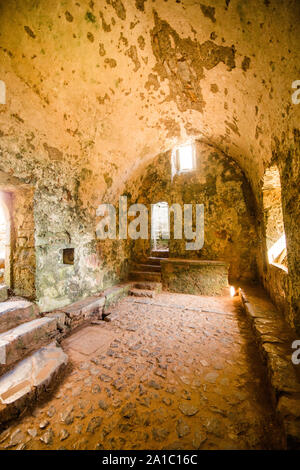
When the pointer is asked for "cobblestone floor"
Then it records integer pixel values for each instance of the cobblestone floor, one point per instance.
(161, 376)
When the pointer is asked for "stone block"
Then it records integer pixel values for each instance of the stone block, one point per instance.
(19, 341)
(116, 293)
(29, 380)
(198, 277)
(83, 310)
(16, 312)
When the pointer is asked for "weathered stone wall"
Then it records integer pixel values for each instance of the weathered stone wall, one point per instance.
(195, 277)
(22, 243)
(97, 264)
(282, 285)
(229, 212)
(287, 155)
(96, 89)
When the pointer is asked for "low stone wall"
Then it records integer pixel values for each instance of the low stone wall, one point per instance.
(277, 283)
(197, 277)
(85, 310)
(274, 338)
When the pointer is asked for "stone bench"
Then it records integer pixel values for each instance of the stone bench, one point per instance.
(274, 339)
(199, 277)
(91, 308)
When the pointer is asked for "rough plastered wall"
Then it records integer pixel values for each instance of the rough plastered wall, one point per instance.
(97, 89)
(22, 243)
(229, 209)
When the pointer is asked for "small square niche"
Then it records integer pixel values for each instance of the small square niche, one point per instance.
(68, 255)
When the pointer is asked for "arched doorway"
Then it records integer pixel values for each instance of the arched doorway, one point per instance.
(160, 226)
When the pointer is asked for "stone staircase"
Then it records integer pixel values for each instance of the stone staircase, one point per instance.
(31, 361)
(150, 270)
(29, 357)
(147, 276)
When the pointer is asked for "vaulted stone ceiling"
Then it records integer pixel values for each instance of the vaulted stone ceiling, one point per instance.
(107, 85)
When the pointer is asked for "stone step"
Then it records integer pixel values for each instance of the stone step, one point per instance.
(16, 312)
(142, 293)
(160, 253)
(147, 267)
(3, 292)
(88, 309)
(154, 260)
(81, 311)
(25, 338)
(30, 380)
(148, 285)
(144, 276)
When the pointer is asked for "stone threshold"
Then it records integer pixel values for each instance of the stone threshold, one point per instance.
(274, 338)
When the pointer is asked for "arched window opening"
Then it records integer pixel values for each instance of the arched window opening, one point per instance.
(160, 226)
(275, 235)
(183, 159)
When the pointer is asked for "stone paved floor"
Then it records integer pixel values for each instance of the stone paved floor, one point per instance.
(159, 377)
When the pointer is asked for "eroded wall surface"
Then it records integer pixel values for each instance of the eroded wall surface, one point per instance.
(97, 89)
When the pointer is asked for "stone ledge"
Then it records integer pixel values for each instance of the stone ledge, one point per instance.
(274, 338)
(16, 312)
(91, 308)
(78, 313)
(114, 294)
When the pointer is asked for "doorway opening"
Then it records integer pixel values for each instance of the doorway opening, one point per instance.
(4, 241)
(160, 227)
